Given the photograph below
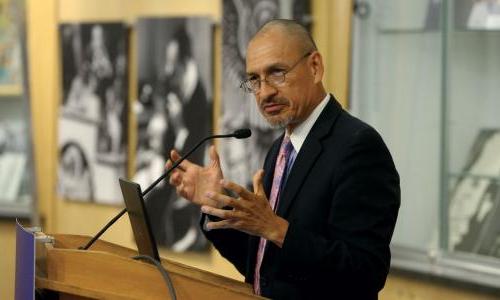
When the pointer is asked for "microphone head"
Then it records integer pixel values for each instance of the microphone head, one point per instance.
(242, 133)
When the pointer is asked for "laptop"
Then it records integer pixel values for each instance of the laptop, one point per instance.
(139, 220)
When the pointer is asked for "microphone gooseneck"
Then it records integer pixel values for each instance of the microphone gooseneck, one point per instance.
(239, 134)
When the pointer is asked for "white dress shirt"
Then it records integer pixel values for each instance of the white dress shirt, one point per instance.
(299, 134)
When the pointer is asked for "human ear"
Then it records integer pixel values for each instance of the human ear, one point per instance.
(317, 66)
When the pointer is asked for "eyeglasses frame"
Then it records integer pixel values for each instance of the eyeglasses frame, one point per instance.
(245, 84)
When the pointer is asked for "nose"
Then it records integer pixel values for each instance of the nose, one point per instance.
(266, 90)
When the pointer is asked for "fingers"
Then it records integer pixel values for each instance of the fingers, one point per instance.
(168, 165)
(181, 191)
(223, 200)
(175, 179)
(258, 187)
(238, 189)
(185, 164)
(228, 223)
(175, 157)
(219, 212)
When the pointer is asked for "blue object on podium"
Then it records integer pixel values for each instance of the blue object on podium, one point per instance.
(25, 263)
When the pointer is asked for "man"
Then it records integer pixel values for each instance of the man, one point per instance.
(188, 109)
(184, 122)
(319, 220)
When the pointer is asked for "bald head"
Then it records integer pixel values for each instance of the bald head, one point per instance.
(292, 29)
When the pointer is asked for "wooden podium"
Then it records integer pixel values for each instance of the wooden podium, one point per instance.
(107, 271)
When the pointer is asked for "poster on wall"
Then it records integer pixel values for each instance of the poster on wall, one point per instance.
(174, 111)
(11, 12)
(92, 134)
(240, 21)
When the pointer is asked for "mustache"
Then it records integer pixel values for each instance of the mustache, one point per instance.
(273, 101)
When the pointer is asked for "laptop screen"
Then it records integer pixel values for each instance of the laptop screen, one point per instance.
(139, 220)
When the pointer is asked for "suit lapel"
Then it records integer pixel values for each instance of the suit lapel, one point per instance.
(269, 165)
(308, 155)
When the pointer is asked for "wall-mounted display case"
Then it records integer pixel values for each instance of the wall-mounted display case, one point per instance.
(426, 75)
(17, 183)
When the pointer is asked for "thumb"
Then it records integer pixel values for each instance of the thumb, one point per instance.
(258, 187)
(214, 157)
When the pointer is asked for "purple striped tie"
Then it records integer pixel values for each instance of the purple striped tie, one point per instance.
(279, 176)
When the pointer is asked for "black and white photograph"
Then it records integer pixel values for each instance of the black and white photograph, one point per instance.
(93, 111)
(13, 158)
(475, 199)
(477, 14)
(174, 111)
(240, 21)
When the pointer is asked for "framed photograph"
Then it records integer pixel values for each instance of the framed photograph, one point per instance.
(13, 159)
(475, 199)
(477, 15)
(174, 111)
(93, 115)
(11, 27)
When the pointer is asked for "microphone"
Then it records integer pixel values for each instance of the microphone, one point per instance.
(242, 133)
(239, 134)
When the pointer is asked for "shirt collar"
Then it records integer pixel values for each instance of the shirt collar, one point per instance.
(299, 134)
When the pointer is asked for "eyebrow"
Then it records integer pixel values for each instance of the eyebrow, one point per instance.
(272, 67)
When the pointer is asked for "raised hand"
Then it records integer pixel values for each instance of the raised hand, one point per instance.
(251, 212)
(193, 181)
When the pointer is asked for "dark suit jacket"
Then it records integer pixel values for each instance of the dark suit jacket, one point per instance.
(341, 200)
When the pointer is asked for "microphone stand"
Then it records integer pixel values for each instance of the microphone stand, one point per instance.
(239, 134)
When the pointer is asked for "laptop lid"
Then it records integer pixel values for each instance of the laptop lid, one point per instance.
(139, 220)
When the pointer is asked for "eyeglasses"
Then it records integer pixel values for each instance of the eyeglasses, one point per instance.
(275, 78)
